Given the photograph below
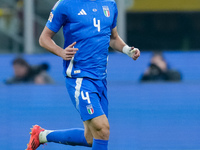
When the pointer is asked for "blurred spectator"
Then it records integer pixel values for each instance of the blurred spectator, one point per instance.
(24, 73)
(158, 70)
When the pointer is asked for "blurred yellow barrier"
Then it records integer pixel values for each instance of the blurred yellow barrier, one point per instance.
(1, 12)
(165, 5)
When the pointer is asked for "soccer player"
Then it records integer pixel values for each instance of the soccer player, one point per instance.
(89, 27)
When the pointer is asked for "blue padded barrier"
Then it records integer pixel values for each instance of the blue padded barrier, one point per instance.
(152, 116)
(143, 116)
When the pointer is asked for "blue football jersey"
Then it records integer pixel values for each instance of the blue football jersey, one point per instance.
(89, 23)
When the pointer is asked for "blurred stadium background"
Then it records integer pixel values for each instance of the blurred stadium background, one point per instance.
(143, 116)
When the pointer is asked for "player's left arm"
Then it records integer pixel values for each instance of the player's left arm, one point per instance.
(118, 44)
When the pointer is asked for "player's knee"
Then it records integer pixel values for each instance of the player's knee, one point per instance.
(103, 132)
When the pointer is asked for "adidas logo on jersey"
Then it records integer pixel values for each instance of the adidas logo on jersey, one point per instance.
(82, 12)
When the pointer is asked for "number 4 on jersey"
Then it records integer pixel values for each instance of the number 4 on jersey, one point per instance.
(97, 24)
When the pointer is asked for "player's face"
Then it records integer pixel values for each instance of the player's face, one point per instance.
(20, 70)
(156, 59)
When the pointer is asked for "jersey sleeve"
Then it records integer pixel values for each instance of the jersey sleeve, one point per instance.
(115, 16)
(57, 17)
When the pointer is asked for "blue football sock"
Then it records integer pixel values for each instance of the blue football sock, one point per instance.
(100, 145)
(71, 137)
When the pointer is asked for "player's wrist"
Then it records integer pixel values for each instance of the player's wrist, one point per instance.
(59, 52)
(127, 50)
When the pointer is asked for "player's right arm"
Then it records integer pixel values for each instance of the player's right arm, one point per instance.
(56, 20)
(48, 43)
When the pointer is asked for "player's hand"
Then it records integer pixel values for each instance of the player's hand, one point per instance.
(136, 53)
(69, 52)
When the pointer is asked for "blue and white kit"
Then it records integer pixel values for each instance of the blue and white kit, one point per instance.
(89, 23)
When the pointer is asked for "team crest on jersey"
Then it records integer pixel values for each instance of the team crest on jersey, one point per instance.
(50, 17)
(106, 11)
(90, 109)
